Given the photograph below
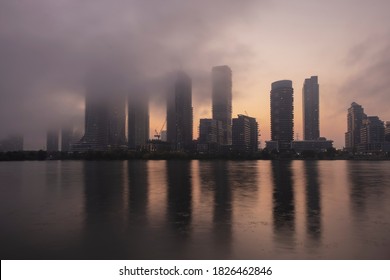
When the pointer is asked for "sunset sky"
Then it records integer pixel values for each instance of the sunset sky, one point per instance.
(49, 48)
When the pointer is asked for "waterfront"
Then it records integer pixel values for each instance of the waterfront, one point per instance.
(183, 209)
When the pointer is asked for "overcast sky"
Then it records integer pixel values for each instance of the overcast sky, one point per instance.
(49, 49)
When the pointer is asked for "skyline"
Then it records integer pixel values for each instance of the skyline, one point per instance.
(49, 48)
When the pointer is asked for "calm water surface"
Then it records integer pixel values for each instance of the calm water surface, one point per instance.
(195, 210)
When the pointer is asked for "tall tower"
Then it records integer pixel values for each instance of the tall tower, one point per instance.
(282, 113)
(179, 113)
(66, 138)
(138, 120)
(116, 120)
(355, 119)
(105, 122)
(52, 140)
(96, 123)
(222, 100)
(310, 105)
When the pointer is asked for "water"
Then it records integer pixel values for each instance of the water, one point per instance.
(195, 210)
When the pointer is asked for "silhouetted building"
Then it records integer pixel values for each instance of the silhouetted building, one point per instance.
(245, 134)
(66, 138)
(319, 145)
(372, 135)
(12, 143)
(222, 100)
(116, 121)
(272, 145)
(52, 140)
(387, 132)
(179, 113)
(310, 106)
(210, 134)
(355, 119)
(282, 113)
(96, 125)
(210, 131)
(105, 121)
(138, 121)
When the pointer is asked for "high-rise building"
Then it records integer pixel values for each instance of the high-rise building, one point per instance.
(96, 124)
(222, 100)
(52, 140)
(116, 121)
(373, 130)
(355, 119)
(372, 134)
(179, 113)
(387, 132)
(105, 122)
(138, 121)
(245, 133)
(66, 138)
(310, 106)
(282, 114)
(210, 131)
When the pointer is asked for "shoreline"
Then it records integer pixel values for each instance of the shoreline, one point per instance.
(130, 155)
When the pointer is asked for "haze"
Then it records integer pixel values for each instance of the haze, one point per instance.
(50, 51)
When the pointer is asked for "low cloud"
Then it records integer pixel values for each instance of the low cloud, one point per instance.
(51, 52)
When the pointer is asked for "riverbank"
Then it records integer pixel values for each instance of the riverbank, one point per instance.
(133, 155)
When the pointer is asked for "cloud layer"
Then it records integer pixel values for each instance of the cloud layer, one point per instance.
(52, 51)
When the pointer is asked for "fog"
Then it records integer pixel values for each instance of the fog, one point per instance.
(53, 52)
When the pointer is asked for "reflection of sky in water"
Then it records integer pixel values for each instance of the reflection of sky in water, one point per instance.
(195, 209)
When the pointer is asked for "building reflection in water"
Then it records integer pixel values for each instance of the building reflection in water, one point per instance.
(138, 234)
(368, 182)
(358, 179)
(104, 205)
(313, 201)
(283, 204)
(138, 192)
(179, 196)
(222, 214)
(52, 173)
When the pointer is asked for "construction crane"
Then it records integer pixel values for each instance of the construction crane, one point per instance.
(158, 133)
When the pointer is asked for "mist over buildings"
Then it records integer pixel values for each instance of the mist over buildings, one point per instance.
(53, 52)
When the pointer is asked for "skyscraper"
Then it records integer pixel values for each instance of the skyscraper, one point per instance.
(66, 138)
(372, 134)
(116, 120)
(105, 121)
(355, 119)
(310, 105)
(179, 113)
(245, 134)
(52, 140)
(282, 113)
(138, 120)
(222, 100)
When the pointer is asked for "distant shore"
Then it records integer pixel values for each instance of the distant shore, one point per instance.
(133, 155)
